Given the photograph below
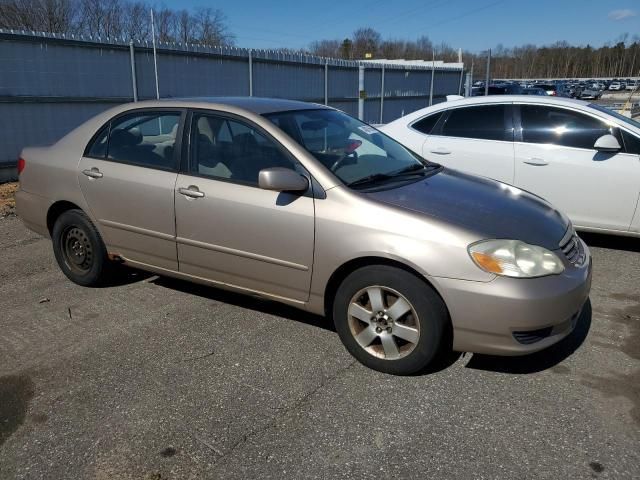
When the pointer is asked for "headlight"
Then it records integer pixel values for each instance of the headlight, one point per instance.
(513, 258)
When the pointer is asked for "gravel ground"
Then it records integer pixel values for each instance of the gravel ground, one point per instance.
(160, 379)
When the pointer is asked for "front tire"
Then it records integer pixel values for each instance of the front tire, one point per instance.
(79, 249)
(390, 320)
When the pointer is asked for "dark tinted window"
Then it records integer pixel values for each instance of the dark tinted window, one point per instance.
(98, 147)
(631, 143)
(484, 122)
(145, 139)
(228, 149)
(559, 126)
(426, 124)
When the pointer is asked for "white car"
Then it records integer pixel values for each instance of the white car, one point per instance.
(615, 86)
(581, 157)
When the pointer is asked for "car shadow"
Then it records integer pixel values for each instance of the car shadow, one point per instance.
(613, 242)
(245, 301)
(539, 361)
(124, 275)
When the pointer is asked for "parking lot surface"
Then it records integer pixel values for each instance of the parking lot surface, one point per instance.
(160, 379)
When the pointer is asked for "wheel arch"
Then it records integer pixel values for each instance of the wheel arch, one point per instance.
(352, 265)
(57, 209)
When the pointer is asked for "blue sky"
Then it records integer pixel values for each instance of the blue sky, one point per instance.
(473, 25)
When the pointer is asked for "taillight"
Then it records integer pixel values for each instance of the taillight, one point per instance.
(554, 93)
(21, 165)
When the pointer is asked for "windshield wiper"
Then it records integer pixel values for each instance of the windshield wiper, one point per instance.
(415, 169)
(376, 177)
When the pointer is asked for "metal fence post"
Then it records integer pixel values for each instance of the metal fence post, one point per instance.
(382, 94)
(134, 81)
(361, 92)
(433, 75)
(326, 82)
(250, 72)
(486, 85)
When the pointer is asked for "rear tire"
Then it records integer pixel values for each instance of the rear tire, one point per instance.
(390, 320)
(79, 249)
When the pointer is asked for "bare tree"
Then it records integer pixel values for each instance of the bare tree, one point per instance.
(56, 16)
(211, 28)
(326, 48)
(365, 41)
(185, 27)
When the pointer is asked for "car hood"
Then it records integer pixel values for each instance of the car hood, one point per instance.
(489, 208)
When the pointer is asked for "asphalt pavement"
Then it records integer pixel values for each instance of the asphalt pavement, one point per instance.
(160, 379)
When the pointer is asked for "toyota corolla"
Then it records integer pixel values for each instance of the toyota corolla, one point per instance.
(303, 204)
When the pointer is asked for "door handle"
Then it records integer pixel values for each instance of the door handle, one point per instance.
(441, 151)
(539, 162)
(93, 173)
(192, 192)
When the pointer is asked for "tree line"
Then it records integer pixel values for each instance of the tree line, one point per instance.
(128, 19)
(558, 60)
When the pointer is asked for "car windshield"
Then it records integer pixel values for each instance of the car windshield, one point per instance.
(615, 114)
(358, 154)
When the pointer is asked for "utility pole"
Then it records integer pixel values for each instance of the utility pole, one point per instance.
(486, 84)
(155, 56)
(433, 74)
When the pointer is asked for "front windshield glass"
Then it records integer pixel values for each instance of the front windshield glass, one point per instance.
(354, 151)
(615, 114)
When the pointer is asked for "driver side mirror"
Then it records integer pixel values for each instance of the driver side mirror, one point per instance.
(282, 180)
(607, 143)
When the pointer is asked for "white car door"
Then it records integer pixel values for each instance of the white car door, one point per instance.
(556, 159)
(477, 139)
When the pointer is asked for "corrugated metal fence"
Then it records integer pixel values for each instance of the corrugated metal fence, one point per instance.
(49, 84)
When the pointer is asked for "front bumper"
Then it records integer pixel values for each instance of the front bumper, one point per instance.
(511, 316)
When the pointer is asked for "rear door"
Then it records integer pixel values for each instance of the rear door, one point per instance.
(476, 139)
(555, 159)
(228, 229)
(127, 175)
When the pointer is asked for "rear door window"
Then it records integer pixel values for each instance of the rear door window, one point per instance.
(485, 122)
(144, 139)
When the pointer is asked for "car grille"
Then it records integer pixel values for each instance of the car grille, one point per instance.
(572, 249)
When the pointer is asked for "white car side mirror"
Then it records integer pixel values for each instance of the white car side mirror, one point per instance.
(607, 143)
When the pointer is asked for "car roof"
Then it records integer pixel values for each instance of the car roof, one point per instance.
(257, 105)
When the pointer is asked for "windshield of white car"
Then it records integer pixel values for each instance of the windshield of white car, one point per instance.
(615, 114)
(357, 153)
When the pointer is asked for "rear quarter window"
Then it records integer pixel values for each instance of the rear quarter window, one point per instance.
(425, 125)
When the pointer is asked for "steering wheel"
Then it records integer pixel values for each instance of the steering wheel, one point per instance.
(350, 150)
(344, 157)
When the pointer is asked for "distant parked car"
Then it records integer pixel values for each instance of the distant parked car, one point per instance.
(302, 204)
(580, 156)
(615, 86)
(534, 91)
(632, 85)
(498, 89)
(554, 89)
(589, 93)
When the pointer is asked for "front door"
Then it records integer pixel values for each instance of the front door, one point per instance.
(474, 139)
(557, 161)
(128, 175)
(233, 232)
